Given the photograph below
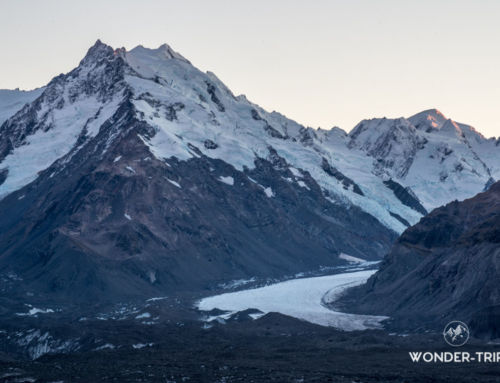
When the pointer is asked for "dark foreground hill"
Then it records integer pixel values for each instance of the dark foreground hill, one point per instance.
(447, 267)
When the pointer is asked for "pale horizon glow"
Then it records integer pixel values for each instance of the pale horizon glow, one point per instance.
(323, 63)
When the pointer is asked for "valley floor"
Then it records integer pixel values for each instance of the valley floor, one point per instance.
(163, 340)
(274, 348)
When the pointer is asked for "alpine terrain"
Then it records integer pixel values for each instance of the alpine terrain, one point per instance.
(136, 174)
(156, 227)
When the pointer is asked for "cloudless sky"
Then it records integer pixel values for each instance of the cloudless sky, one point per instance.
(320, 62)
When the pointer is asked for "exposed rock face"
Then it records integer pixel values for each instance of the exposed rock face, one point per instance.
(447, 267)
(406, 196)
(346, 181)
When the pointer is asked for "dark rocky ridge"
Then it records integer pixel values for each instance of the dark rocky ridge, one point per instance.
(406, 196)
(447, 267)
(346, 181)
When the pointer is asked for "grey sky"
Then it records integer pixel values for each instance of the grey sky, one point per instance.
(320, 62)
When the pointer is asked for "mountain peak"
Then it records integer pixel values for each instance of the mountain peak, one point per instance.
(99, 46)
(428, 119)
(163, 52)
(97, 52)
(434, 112)
(170, 53)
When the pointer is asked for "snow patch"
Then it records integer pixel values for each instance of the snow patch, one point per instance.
(256, 316)
(154, 299)
(35, 311)
(227, 180)
(174, 183)
(295, 172)
(303, 184)
(138, 346)
(269, 192)
(108, 346)
(350, 258)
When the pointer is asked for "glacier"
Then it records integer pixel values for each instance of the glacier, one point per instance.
(302, 298)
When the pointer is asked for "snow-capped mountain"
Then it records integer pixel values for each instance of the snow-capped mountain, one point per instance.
(136, 174)
(138, 153)
(71, 110)
(438, 159)
(425, 160)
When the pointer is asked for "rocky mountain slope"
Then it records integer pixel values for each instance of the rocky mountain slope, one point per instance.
(136, 169)
(446, 267)
(136, 174)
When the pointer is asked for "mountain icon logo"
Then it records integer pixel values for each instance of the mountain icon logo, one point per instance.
(456, 333)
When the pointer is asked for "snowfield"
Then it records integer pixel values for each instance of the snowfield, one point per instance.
(303, 298)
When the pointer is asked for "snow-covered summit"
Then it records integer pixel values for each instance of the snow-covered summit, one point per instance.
(149, 62)
(69, 111)
(97, 52)
(437, 158)
(428, 120)
(392, 142)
